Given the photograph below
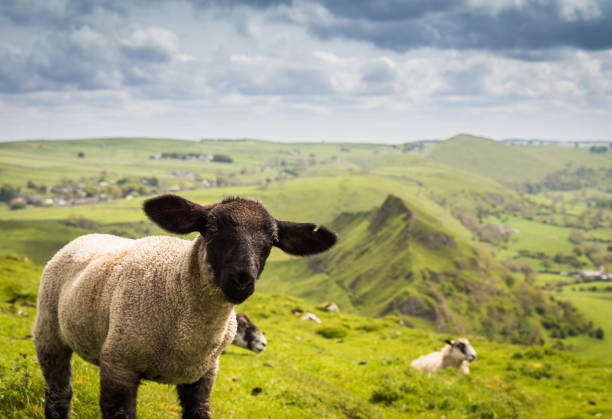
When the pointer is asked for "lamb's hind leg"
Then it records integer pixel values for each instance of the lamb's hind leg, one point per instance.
(55, 365)
(195, 397)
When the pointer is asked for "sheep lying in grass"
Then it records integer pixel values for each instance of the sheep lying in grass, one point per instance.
(248, 336)
(457, 353)
(157, 308)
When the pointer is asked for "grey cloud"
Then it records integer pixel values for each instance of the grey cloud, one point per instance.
(402, 26)
(77, 60)
(13, 69)
(468, 81)
(388, 10)
(151, 44)
(278, 81)
(378, 72)
(85, 59)
(398, 25)
(263, 4)
(69, 60)
(56, 13)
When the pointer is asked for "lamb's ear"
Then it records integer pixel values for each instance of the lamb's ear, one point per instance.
(304, 238)
(450, 342)
(176, 214)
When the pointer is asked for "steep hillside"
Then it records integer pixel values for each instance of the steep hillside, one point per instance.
(397, 259)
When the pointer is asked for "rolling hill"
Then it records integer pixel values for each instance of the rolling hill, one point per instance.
(497, 160)
(451, 189)
(398, 259)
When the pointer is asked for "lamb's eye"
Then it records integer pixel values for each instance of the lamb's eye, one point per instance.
(461, 347)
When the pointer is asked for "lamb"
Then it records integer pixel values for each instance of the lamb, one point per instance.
(457, 353)
(248, 336)
(158, 308)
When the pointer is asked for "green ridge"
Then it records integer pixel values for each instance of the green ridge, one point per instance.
(397, 259)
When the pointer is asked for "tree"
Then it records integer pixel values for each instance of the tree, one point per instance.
(528, 271)
(222, 158)
(576, 237)
(598, 333)
(8, 192)
(598, 149)
(18, 205)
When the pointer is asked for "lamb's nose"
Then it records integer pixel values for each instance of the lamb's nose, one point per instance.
(242, 279)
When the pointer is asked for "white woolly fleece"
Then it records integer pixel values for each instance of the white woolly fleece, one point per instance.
(148, 306)
(447, 357)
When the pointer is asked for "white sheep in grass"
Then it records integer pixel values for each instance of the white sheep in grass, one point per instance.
(157, 308)
(248, 336)
(457, 353)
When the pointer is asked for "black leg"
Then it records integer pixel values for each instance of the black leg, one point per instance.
(118, 390)
(195, 398)
(55, 365)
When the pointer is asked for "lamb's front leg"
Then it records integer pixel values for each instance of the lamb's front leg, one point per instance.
(54, 361)
(195, 397)
(465, 367)
(118, 390)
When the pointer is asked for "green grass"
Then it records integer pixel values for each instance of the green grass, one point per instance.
(18, 278)
(363, 375)
(546, 279)
(597, 307)
(39, 240)
(538, 237)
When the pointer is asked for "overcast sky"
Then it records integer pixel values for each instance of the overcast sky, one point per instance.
(354, 70)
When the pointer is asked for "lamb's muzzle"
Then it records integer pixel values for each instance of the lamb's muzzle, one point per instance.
(158, 308)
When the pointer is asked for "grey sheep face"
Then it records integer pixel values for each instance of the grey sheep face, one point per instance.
(461, 350)
(248, 336)
(239, 235)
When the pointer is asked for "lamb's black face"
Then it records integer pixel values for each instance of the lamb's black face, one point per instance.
(239, 235)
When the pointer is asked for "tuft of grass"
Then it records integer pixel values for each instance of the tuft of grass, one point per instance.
(21, 388)
(18, 278)
(385, 394)
(332, 332)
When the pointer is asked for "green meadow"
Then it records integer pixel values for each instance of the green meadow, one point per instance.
(595, 300)
(362, 370)
(464, 237)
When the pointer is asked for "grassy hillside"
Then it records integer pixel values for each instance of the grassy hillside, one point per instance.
(596, 305)
(548, 193)
(361, 371)
(509, 162)
(45, 161)
(314, 199)
(399, 259)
